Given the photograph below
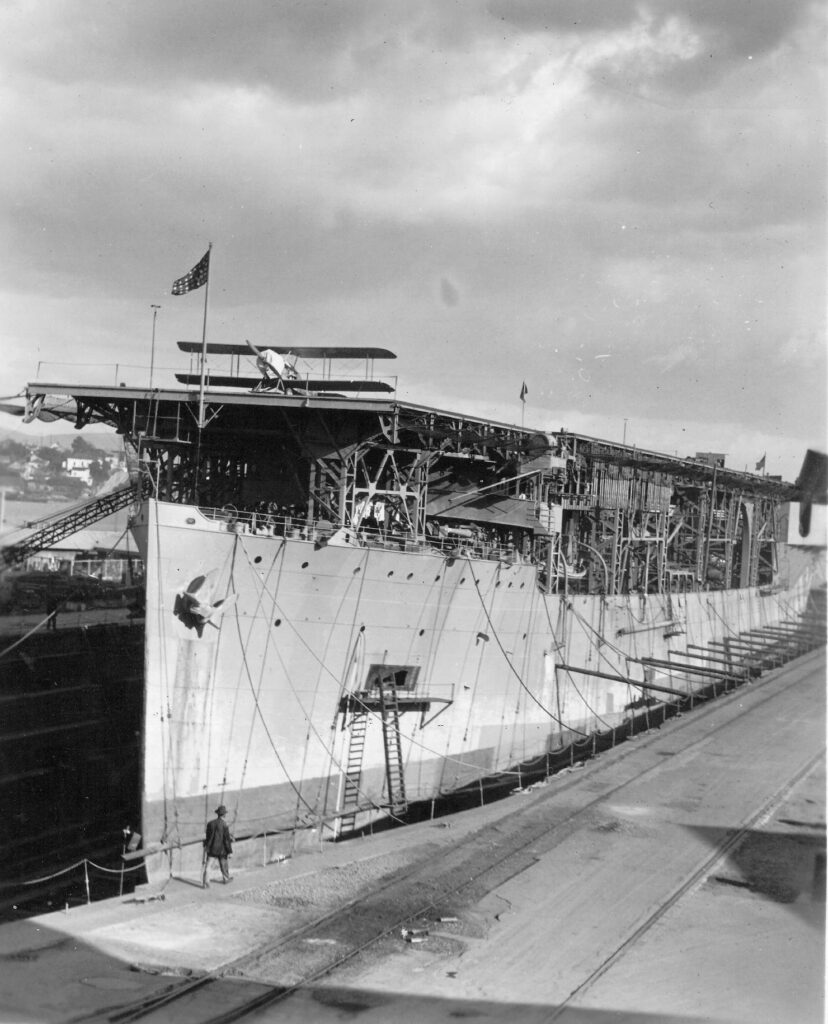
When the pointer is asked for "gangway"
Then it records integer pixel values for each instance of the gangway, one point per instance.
(64, 524)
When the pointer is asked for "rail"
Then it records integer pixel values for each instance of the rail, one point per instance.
(449, 541)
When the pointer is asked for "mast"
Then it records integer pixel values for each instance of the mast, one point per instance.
(203, 359)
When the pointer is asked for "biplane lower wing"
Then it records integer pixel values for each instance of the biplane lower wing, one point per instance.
(301, 385)
(301, 352)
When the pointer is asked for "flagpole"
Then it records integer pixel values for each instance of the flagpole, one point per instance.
(204, 340)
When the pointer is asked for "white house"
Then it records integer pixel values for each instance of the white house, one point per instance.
(78, 468)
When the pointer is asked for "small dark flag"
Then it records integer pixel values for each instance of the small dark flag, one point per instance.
(195, 279)
(524, 391)
(760, 465)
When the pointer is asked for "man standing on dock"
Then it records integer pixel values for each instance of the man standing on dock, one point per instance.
(218, 843)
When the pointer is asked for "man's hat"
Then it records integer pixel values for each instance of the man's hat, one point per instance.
(221, 809)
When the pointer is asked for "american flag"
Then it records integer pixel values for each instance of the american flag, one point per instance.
(195, 279)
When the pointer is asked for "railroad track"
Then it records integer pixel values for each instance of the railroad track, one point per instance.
(425, 890)
(719, 852)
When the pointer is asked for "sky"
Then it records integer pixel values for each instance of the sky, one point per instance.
(620, 204)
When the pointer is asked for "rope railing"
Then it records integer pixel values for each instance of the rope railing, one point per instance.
(86, 864)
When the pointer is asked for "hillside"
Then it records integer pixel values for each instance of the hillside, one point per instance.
(60, 434)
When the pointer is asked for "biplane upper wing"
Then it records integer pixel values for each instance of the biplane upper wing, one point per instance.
(325, 384)
(301, 351)
(300, 385)
(217, 380)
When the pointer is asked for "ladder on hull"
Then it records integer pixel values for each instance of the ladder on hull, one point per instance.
(353, 770)
(387, 704)
(394, 772)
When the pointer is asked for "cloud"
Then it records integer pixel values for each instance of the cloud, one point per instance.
(302, 49)
(683, 45)
(449, 294)
(533, 184)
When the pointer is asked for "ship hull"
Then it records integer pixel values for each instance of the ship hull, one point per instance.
(260, 650)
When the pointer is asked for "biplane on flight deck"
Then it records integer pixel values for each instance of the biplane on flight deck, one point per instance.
(278, 373)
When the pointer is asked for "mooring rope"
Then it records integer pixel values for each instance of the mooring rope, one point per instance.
(512, 667)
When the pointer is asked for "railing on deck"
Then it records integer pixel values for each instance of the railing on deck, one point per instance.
(449, 542)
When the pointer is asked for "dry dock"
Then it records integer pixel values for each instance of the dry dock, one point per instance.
(678, 877)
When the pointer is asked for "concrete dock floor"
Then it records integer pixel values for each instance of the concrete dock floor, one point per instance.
(679, 877)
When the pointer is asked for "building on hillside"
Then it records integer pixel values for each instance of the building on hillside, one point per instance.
(79, 468)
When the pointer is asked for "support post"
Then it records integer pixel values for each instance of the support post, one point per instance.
(710, 516)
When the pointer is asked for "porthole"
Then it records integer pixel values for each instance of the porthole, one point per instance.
(190, 521)
(410, 576)
(462, 579)
(421, 632)
(522, 585)
(436, 579)
(277, 622)
(304, 565)
(358, 569)
(257, 559)
(390, 572)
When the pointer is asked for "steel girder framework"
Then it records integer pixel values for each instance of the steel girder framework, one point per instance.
(720, 525)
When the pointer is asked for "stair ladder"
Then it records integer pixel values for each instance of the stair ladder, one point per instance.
(394, 772)
(353, 770)
(55, 528)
